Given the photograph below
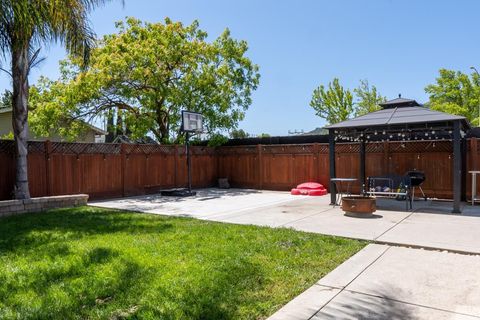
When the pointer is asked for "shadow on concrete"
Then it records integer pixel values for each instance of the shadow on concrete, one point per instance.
(156, 201)
(429, 206)
(360, 216)
(202, 195)
(353, 305)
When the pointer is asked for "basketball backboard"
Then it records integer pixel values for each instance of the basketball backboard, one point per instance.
(192, 122)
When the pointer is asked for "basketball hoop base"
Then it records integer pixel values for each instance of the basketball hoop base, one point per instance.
(178, 193)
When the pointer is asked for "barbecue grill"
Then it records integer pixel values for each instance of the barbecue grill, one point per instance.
(417, 178)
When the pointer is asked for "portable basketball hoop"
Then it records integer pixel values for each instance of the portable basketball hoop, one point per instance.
(192, 124)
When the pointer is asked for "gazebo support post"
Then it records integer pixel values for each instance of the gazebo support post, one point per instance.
(457, 168)
(331, 150)
(362, 165)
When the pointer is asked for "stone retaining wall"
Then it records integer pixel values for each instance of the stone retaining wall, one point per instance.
(13, 207)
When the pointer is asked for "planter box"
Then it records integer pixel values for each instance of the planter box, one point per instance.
(14, 207)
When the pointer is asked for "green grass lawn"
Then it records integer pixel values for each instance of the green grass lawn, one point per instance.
(90, 263)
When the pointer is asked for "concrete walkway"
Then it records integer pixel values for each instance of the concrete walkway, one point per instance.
(390, 279)
(385, 282)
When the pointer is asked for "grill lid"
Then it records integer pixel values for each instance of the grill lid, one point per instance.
(416, 177)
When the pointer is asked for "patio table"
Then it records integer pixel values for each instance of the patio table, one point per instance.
(339, 184)
(474, 186)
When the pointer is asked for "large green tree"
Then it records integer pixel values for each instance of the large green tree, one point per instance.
(334, 104)
(456, 93)
(368, 98)
(6, 100)
(144, 75)
(239, 134)
(24, 26)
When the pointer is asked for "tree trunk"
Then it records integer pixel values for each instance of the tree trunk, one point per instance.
(162, 121)
(20, 118)
(119, 126)
(110, 127)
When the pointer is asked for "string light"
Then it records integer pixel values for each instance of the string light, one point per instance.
(400, 134)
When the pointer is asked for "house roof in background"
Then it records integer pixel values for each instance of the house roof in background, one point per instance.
(90, 126)
(96, 129)
(316, 131)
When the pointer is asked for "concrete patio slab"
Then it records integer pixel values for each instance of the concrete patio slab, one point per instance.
(334, 222)
(441, 280)
(280, 214)
(315, 214)
(207, 203)
(384, 282)
(345, 273)
(450, 232)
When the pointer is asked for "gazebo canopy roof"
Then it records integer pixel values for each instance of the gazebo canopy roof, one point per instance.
(398, 112)
(399, 103)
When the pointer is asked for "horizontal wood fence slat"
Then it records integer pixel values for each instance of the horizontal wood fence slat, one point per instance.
(116, 170)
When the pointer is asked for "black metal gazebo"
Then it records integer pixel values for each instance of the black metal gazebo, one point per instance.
(401, 120)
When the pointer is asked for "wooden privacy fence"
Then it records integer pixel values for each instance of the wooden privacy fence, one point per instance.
(280, 167)
(105, 170)
(115, 170)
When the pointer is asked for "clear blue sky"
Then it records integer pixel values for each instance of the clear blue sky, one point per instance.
(398, 45)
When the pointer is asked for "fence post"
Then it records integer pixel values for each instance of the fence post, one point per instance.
(176, 160)
(146, 181)
(48, 167)
(474, 154)
(124, 163)
(216, 158)
(260, 166)
(386, 156)
(316, 156)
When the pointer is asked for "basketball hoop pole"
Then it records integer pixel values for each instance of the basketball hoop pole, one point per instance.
(189, 163)
(191, 124)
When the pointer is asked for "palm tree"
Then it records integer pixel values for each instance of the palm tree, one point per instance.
(24, 26)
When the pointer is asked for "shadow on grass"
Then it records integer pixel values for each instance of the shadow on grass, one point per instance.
(27, 232)
(219, 295)
(42, 279)
(128, 292)
(98, 295)
(96, 285)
